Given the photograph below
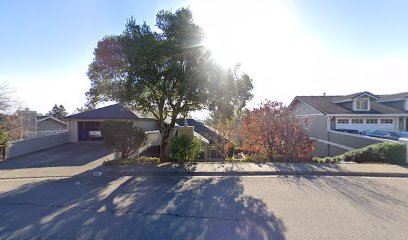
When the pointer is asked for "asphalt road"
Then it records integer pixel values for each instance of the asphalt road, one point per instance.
(204, 208)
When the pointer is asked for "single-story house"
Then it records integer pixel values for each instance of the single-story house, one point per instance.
(50, 123)
(212, 137)
(85, 126)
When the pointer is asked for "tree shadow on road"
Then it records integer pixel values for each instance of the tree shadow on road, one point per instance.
(137, 208)
(368, 194)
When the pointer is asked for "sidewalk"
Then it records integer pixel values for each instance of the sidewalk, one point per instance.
(211, 169)
(252, 169)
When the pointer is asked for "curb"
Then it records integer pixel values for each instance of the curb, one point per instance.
(259, 173)
(219, 174)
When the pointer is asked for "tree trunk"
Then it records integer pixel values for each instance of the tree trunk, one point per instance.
(165, 138)
(163, 151)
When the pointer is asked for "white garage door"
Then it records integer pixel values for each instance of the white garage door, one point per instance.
(362, 124)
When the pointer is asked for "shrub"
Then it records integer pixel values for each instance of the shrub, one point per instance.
(185, 148)
(133, 161)
(381, 152)
(148, 160)
(232, 159)
(327, 159)
(257, 158)
(3, 138)
(123, 137)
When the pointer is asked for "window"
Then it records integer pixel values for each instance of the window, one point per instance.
(372, 121)
(306, 123)
(357, 121)
(342, 121)
(387, 121)
(406, 104)
(361, 104)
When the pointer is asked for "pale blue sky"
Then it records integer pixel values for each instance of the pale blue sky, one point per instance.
(288, 47)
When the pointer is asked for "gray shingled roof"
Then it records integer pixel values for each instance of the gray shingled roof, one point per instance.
(115, 111)
(202, 129)
(325, 105)
(351, 96)
(394, 96)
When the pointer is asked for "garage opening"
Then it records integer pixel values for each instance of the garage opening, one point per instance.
(89, 131)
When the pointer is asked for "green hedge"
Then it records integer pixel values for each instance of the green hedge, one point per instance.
(386, 152)
(133, 161)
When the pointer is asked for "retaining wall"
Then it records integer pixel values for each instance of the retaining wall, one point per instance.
(20, 147)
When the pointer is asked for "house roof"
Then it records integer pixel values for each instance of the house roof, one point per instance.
(396, 96)
(326, 105)
(211, 135)
(46, 118)
(42, 117)
(337, 99)
(115, 111)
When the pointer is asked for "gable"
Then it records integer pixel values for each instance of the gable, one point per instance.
(351, 97)
(301, 108)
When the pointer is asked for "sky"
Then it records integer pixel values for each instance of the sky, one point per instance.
(288, 48)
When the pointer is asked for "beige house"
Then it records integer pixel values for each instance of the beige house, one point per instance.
(85, 126)
(49, 123)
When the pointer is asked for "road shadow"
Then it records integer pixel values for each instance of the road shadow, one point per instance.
(368, 194)
(137, 208)
(70, 154)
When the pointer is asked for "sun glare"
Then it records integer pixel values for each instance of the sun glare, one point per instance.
(224, 56)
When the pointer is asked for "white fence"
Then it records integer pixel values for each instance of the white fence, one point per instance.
(39, 134)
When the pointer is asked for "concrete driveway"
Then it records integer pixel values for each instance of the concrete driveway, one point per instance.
(68, 159)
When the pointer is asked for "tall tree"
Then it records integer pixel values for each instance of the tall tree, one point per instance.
(13, 125)
(58, 111)
(164, 74)
(5, 97)
(230, 94)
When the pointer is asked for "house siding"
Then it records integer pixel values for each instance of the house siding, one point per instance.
(147, 124)
(318, 121)
(318, 127)
(144, 124)
(301, 108)
(50, 125)
(73, 130)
